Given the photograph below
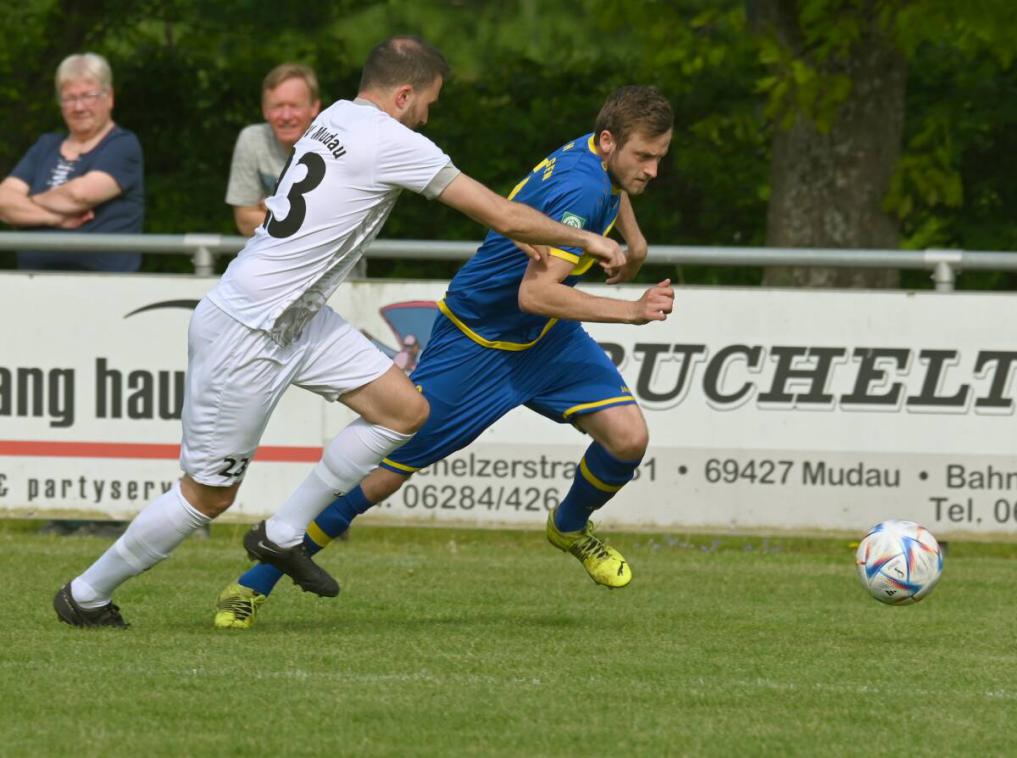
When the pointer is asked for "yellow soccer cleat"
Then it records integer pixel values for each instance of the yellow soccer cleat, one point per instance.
(237, 607)
(603, 563)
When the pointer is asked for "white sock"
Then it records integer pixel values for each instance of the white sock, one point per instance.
(352, 455)
(152, 536)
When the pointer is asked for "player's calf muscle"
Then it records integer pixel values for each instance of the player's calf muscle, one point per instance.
(382, 484)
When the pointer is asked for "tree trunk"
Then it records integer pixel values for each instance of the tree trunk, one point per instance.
(827, 189)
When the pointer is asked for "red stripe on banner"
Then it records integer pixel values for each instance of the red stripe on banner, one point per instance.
(37, 448)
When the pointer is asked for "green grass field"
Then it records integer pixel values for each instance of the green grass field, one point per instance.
(449, 642)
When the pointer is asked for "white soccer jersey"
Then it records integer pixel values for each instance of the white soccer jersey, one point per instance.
(333, 197)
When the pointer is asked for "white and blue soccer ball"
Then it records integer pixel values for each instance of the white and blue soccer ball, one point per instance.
(899, 562)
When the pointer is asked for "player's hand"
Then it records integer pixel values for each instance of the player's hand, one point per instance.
(607, 252)
(536, 253)
(76, 220)
(634, 257)
(655, 304)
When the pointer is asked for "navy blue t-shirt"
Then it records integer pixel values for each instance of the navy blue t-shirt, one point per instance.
(119, 155)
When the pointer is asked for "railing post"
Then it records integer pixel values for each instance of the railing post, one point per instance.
(944, 277)
(204, 261)
(202, 257)
(944, 267)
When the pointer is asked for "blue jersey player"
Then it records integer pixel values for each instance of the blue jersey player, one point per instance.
(510, 334)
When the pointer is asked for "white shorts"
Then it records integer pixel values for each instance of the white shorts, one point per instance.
(236, 376)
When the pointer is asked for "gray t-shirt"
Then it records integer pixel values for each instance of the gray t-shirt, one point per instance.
(258, 159)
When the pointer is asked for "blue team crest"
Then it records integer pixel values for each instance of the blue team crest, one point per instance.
(411, 323)
(571, 219)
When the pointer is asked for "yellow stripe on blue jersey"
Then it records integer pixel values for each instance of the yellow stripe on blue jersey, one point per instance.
(565, 255)
(493, 344)
(599, 404)
(570, 186)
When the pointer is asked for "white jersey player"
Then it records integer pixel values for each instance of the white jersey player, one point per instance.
(266, 326)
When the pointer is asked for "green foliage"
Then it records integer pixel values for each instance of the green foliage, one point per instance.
(529, 76)
(805, 61)
(951, 186)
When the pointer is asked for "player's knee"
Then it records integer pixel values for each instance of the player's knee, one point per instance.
(208, 500)
(216, 503)
(629, 444)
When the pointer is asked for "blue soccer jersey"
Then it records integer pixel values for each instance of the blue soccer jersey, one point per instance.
(571, 186)
(488, 357)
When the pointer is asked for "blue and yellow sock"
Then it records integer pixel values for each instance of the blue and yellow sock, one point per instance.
(598, 478)
(330, 523)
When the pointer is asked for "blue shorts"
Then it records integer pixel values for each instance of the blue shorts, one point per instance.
(564, 376)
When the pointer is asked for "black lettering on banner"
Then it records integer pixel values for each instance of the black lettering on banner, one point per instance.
(936, 360)
(869, 374)
(35, 393)
(61, 397)
(1004, 511)
(1000, 378)
(817, 375)
(111, 380)
(450, 495)
(765, 471)
(144, 394)
(140, 403)
(652, 354)
(486, 498)
(467, 497)
(298, 207)
(718, 366)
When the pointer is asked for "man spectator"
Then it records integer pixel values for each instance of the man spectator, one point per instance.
(289, 102)
(89, 179)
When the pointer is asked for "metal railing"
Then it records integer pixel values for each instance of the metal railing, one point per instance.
(203, 249)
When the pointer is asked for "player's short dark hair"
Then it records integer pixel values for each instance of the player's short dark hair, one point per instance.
(403, 60)
(632, 109)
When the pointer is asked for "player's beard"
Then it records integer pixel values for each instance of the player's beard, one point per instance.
(411, 118)
(631, 187)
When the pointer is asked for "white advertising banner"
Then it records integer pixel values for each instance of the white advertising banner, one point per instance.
(768, 409)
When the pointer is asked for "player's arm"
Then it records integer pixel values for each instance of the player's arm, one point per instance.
(81, 194)
(542, 292)
(248, 217)
(635, 242)
(520, 222)
(18, 209)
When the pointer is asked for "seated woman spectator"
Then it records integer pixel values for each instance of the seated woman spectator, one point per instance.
(88, 179)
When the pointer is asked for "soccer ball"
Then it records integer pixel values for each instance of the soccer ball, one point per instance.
(899, 562)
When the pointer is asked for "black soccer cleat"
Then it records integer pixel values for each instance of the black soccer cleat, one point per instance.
(68, 611)
(292, 561)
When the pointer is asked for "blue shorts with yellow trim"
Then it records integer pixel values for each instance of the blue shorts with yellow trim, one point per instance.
(566, 374)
